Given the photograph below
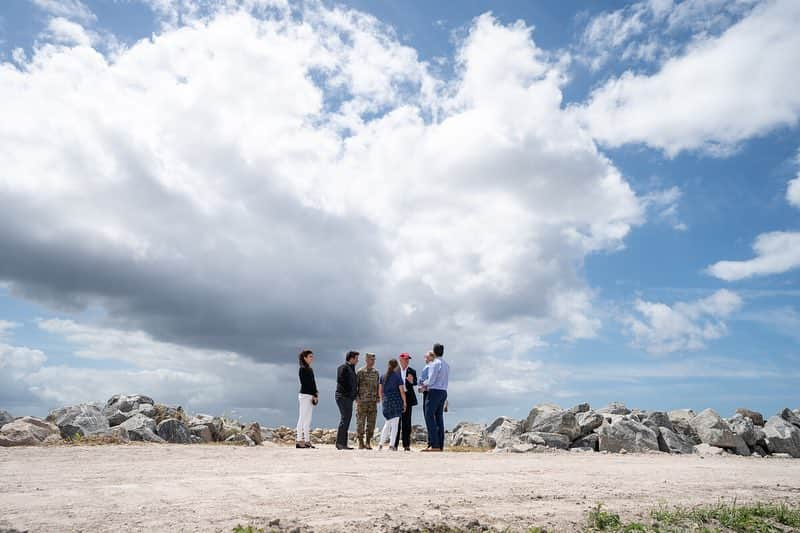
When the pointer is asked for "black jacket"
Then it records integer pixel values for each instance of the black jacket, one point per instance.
(308, 385)
(346, 383)
(411, 396)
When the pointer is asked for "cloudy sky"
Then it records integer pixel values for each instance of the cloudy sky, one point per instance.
(581, 201)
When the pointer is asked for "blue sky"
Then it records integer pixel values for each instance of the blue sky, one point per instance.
(584, 202)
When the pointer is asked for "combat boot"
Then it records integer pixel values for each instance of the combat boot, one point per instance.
(361, 443)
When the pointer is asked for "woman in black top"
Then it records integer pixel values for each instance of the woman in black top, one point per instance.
(308, 399)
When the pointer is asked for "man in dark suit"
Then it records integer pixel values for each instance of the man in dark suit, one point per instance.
(409, 376)
(346, 391)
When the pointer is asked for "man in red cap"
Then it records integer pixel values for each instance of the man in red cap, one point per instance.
(409, 376)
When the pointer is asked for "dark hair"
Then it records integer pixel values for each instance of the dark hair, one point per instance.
(350, 355)
(438, 350)
(391, 367)
(301, 357)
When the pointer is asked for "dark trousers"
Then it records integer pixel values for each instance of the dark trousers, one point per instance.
(434, 417)
(424, 407)
(345, 415)
(405, 428)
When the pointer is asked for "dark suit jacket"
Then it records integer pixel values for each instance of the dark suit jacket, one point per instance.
(346, 382)
(411, 396)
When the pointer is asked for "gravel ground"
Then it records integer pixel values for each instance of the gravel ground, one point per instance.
(141, 487)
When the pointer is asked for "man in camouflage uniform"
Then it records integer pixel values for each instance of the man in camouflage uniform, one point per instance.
(368, 378)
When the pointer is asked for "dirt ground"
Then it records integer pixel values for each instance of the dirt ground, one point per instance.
(140, 487)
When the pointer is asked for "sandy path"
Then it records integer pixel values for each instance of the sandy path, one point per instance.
(211, 488)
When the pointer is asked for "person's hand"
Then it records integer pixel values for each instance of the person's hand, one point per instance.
(404, 407)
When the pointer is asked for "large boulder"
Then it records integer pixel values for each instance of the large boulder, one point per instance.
(658, 419)
(229, 429)
(503, 430)
(81, 420)
(713, 430)
(542, 409)
(755, 416)
(213, 423)
(240, 439)
(551, 440)
(125, 403)
(679, 418)
(253, 430)
(202, 432)
(580, 408)
(118, 417)
(615, 408)
(173, 430)
(791, 417)
(5, 418)
(27, 431)
(671, 442)
(561, 422)
(627, 434)
(468, 434)
(781, 436)
(591, 440)
(165, 412)
(141, 428)
(745, 428)
(588, 422)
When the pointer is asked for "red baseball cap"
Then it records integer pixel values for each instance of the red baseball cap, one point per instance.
(404, 355)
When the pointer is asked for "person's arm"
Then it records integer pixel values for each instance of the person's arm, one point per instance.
(403, 395)
(414, 377)
(314, 384)
(380, 392)
(432, 373)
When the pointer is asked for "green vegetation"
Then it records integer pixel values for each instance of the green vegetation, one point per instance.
(722, 517)
(756, 517)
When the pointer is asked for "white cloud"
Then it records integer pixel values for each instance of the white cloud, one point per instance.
(63, 31)
(793, 189)
(721, 91)
(793, 192)
(665, 205)
(253, 184)
(776, 252)
(685, 326)
(5, 327)
(70, 9)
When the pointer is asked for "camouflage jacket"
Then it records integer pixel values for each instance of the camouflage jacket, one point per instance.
(368, 379)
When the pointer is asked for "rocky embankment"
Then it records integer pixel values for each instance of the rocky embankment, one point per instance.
(617, 429)
(126, 418)
(612, 429)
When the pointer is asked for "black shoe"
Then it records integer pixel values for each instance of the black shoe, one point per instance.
(406, 449)
(309, 445)
(300, 445)
(339, 447)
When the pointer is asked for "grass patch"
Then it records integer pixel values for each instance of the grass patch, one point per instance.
(754, 517)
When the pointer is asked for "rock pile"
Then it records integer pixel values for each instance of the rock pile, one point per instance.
(617, 429)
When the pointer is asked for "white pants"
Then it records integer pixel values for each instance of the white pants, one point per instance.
(389, 430)
(304, 421)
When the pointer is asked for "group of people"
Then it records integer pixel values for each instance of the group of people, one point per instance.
(395, 390)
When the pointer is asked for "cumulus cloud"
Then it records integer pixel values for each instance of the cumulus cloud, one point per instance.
(793, 189)
(776, 252)
(722, 90)
(684, 326)
(69, 9)
(651, 31)
(63, 31)
(253, 182)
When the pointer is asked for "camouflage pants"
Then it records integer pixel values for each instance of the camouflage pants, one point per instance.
(366, 412)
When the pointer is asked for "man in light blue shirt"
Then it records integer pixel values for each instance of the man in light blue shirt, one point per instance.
(436, 385)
